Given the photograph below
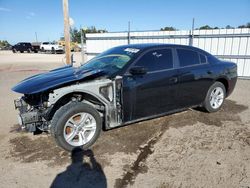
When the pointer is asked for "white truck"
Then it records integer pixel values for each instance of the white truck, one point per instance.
(51, 47)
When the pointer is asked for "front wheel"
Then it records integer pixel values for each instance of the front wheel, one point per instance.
(215, 97)
(76, 124)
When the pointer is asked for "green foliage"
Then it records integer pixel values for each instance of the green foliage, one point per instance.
(92, 29)
(168, 29)
(76, 34)
(206, 27)
(247, 25)
(4, 44)
(229, 27)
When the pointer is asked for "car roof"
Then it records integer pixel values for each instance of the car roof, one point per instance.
(145, 46)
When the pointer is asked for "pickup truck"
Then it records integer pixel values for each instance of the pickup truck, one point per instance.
(51, 47)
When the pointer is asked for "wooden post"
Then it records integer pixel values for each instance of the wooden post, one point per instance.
(82, 44)
(66, 31)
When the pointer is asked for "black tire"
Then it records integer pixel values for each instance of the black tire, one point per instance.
(53, 50)
(62, 116)
(207, 105)
(21, 51)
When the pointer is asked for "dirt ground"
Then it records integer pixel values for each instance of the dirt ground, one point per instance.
(187, 149)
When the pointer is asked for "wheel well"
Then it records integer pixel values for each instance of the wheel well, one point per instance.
(224, 82)
(72, 96)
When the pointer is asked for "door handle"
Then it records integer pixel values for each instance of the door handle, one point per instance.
(173, 80)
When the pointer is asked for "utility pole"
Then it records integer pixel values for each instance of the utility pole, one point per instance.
(36, 37)
(66, 31)
(129, 32)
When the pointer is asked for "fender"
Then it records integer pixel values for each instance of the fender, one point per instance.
(113, 117)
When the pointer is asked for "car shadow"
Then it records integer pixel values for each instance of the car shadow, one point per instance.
(81, 173)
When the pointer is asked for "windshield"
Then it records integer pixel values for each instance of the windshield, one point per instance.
(112, 60)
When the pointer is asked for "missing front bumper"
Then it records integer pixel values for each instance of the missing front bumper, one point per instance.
(28, 119)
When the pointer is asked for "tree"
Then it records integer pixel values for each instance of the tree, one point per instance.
(4, 44)
(205, 27)
(76, 34)
(229, 27)
(168, 29)
(247, 25)
(93, 29)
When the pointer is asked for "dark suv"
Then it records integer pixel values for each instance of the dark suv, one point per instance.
(23, 46)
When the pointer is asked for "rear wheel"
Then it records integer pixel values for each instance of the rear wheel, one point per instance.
(76, 124)
(215, 97)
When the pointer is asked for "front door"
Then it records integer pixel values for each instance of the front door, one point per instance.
(154, 92)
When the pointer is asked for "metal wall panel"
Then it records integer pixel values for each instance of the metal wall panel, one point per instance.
(228, 44)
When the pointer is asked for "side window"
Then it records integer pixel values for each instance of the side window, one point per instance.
(203, 59)
(188, 57)
(156, 60)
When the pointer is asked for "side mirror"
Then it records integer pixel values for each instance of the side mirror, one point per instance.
(138, 70)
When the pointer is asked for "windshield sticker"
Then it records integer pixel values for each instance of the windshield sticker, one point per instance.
(132, 50)
(156, 54)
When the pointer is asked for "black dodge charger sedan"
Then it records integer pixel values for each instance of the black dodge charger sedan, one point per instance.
(120, 86)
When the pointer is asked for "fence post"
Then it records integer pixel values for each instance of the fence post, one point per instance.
(82, 45)
(129, 32)
(191, 34)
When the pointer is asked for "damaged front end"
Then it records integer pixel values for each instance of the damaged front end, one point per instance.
(31, 116)
(105, 95)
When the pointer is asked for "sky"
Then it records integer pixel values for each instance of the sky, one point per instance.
(21, 19)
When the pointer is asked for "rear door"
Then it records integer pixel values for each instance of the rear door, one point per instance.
(154, 92)
(195, 77)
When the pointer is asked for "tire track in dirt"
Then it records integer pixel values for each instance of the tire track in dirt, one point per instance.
(228, 112)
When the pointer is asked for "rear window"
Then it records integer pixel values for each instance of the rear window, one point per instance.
(188, 57)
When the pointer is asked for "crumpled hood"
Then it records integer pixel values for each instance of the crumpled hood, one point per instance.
(54, 78)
